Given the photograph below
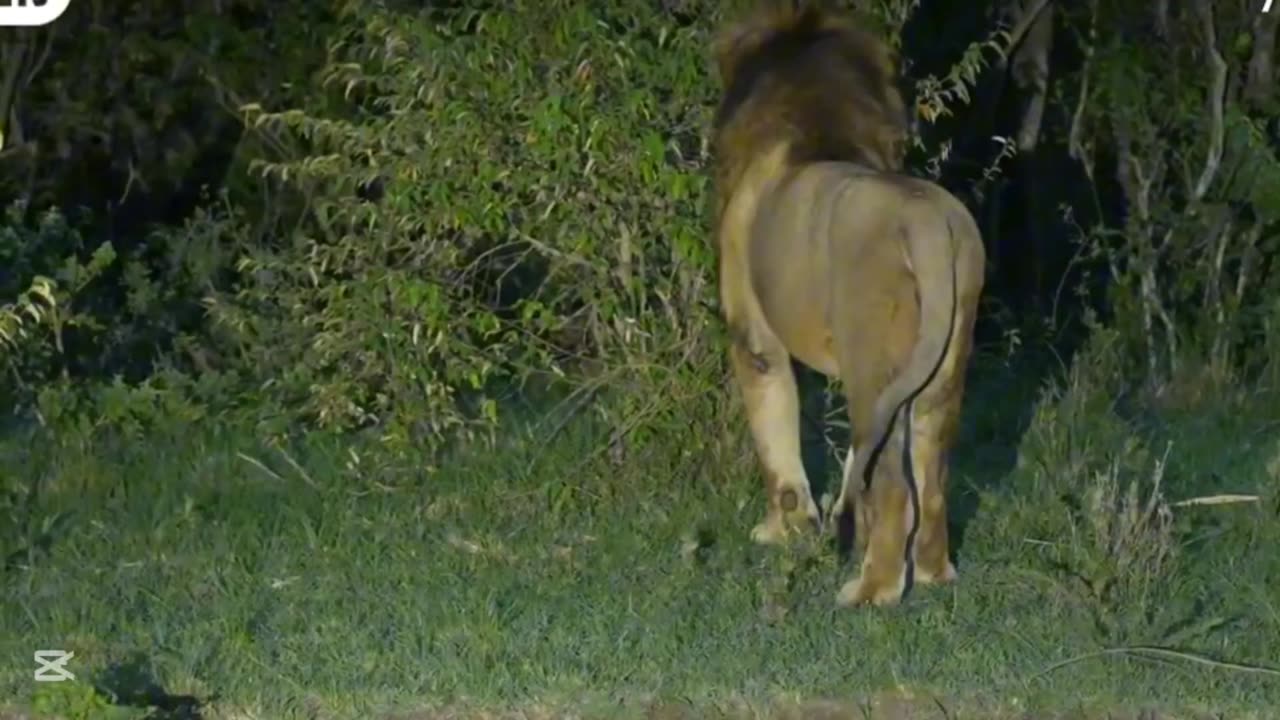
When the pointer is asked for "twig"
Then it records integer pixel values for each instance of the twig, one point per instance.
(1247, 256)
(1214, 294)
(571, 258)
(1150, 652)
(1217, 91)
(577, 401)
(301, 473)
(1217, 500)
(1153, 500)
(628, 425)
(258, 464)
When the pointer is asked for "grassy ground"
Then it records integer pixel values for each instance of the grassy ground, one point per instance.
(318, 583)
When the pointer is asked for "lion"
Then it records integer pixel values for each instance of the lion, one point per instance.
(829, 254)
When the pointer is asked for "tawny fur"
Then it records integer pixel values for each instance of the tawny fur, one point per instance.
(830, 256)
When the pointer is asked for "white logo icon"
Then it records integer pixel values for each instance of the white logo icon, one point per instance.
(30, 13)
(52, 662)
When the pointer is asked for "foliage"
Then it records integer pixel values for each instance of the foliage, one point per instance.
(133, 95)
(426, 213)
(113, 121)
(507, 241)
(1189, 279)
(421, 212)
(34, 327)
(1092, 469)
(58, 330)
(76, 700)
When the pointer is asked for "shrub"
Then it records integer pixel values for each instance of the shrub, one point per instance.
(477, 211)
(1094, 492)
(1184, 121)
(48, 273)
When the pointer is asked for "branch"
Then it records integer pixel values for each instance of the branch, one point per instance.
(1213, 292)
(1161, 20)
(1023, 25)
(12, 58)
(1075, 144)
(1129, 173)
(43, 59)
(1259, 87)
(1031, 71)
(1217, 90)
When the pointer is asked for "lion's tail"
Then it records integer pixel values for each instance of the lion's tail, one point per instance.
(938, 275)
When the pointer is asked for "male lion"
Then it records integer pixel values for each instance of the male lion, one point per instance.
(829, 255)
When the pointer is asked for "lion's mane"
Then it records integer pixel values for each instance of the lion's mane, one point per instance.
(805, 76)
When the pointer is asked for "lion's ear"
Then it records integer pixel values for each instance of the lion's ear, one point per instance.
(741, 38)
(730, 45)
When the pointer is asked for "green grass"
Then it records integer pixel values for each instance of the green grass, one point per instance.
(521, 577)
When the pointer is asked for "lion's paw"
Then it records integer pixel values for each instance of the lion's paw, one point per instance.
(860, 592)
(947, 575)
(777, 526)
(770, 531)
(808, 519)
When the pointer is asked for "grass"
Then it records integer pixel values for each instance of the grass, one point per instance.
(199, 568)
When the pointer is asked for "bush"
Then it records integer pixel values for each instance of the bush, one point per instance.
(468, 216)
(1184, 121)
(438, 214)
(1093, 490)
(48, 273)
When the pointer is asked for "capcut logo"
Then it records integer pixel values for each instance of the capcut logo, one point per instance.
(30, 13)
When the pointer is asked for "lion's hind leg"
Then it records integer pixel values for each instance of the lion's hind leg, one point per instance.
(884, 508)
(886, 515)
(928, 469)
(934, 427)
(772, 403)
(875, 332)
